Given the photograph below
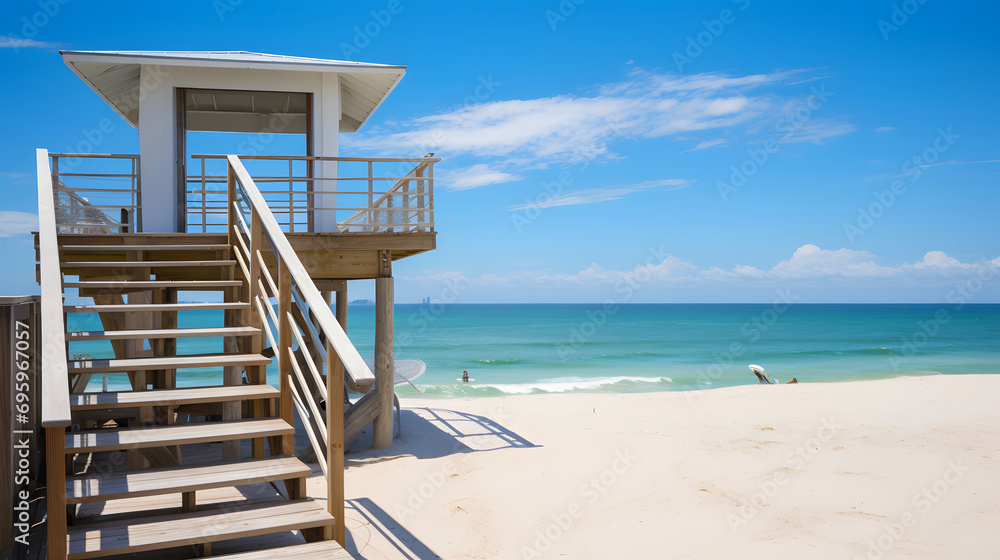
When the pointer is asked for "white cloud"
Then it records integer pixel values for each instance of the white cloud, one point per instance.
(816, 131)
(918, 169)
(17, 223)
(18, 43)
(437, 277)
(956, 162)
(478, 175)
(885, 128)
(705, 144)
(590, 196)
(807, 263)
(537, 132)
(670, 269)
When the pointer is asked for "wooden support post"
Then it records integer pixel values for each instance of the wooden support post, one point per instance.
(285, 339)
(55, 492)
(230, 204)
(189, 501)
(341, 310)
(256, 375)
(421, 216)
(169, 321)
(335, 440)
(231, 375)
(384, 362)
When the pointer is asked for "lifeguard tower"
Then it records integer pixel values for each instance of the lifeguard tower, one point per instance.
(277, 236)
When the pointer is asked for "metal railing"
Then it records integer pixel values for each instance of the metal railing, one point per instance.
(313, 194)
(97, 201)
(309, 337)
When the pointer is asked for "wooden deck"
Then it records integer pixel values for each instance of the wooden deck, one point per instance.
(337, 256)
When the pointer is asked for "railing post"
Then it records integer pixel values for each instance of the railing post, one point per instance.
(335, 443)
(384, 363)
(284, 360)
(371, 194)
(430, 196)
(204, 199)
(291, 196)
(420, 198)
(256, 321)
(55, 492)
(404, 214)
(231, 204)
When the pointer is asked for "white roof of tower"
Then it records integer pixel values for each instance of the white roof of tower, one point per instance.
(115, 76)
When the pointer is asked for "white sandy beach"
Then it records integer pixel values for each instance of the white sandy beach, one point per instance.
(901, 468)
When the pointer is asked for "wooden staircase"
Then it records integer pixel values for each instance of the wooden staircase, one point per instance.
(135, 288)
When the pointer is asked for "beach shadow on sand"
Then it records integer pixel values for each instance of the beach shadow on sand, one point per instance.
(429, 433)
(370, 526)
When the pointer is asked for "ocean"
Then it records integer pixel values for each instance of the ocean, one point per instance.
(542, 348)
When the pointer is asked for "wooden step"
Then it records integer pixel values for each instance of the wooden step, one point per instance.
(101, 248)
(320, 550)
(77, 367)
(176, 434)
(170, 397)
(154, 284)
(143, 264)
(161, 333)
(118, 308)
(101, 487)
(94, 540)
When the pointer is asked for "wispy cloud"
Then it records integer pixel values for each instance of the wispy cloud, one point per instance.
(590, 196)
(18, 43)
(956, 162)
(816, 131)
(567, 128)
(478, 175)
(917, 169)
(17, 223)
(885, 128)
(705, 144)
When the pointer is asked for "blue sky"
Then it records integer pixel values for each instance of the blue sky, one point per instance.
(714, 151)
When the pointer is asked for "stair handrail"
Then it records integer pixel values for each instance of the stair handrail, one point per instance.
(294, 283)
(416, 174)
(55, 377)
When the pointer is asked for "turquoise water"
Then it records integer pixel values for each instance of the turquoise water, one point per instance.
(517, 349)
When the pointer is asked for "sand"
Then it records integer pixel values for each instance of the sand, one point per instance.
(899, 468)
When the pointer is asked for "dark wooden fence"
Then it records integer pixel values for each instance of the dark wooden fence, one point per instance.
(21, 444)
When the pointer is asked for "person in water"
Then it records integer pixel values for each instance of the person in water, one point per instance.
(465, 376)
